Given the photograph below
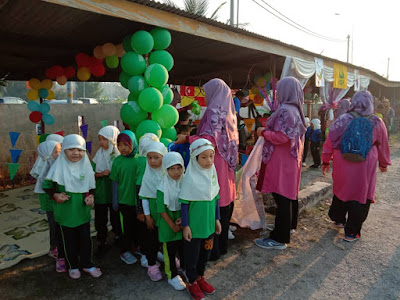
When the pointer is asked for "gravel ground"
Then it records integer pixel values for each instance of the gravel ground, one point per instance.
(316, 265)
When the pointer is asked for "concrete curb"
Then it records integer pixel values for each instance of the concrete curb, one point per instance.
(313, 193)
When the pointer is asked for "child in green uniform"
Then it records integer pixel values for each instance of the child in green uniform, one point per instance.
(148, 193)
(48, 153)
(169, 208)
(141, 159)
(200, 215)
(103, 159)
(123, 175)
(71, 183)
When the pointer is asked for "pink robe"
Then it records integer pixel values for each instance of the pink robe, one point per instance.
(282, 173)
(226, 176)
(356, 181)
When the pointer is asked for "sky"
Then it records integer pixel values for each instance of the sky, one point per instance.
(372, 26)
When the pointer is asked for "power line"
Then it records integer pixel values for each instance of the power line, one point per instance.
(296, 25)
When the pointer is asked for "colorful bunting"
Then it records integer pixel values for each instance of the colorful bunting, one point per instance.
(84, 129)
(12, 169)
(14, 137)
(89, 147)
(104, 123)
(15, 153)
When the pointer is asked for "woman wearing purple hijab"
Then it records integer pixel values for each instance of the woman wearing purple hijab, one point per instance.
(282, 156)
(354, 182)
(219, 126)
(342, 108)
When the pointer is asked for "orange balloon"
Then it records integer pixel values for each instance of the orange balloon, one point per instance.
(47, 84)
(120, 50)
(98, 52)
(109, 49)
(83, 74)
(32, 94)
(34, 83)
(51, 95)
(258, 99)
(61, 80)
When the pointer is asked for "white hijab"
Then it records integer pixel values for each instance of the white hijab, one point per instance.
(77, 177)
(104, 158)
(43, 163)
(199, 184)
(171, 187)
(152, 177)
(145, 140)
(307, 119)
(55, 137)
(316, 123)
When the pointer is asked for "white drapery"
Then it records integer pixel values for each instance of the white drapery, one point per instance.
(298, 68)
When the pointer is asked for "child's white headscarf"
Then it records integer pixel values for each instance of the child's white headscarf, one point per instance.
(104, 158)
(43, 163)
(152, 177)
(145, 140)
(55, 137)
(77, 177)
(171, 187)
(307, 121)
(316, 123)
(199, 184)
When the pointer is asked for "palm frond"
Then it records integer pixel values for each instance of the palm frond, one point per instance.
(171, 3)
(214, 14)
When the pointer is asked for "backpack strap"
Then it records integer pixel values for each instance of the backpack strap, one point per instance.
(357, 115)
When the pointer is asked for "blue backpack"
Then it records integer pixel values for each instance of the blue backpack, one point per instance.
(357, 139)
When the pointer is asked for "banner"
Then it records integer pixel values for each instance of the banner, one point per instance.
(12, 169)
(15, 153)
(249, 124)
(319, 72)
(190, 94)
(89, 147)
(357, 83)
(84, 129)
(13, 137)
(339, 76)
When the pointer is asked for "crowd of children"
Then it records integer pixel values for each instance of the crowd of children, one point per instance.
(153, 205)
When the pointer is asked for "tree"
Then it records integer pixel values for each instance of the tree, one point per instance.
(197, 7)
(15, 89)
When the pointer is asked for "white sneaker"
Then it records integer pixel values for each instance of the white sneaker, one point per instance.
(230, 235)
(304, 164)
(270, 227)
(160, 257)
(177, 283)
(232, 228)
(144, 262)
(128, 258)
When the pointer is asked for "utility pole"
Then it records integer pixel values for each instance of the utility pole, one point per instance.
(232, 21)
(70, 93)
(387, 74)
(348, 47)
(237, 14)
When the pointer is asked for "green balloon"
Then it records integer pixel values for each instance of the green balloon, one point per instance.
(165, 141)
(162, 38)
(148, 126)
(167, 93)
(136, 84)
(126, 43)
(150, 99)
(43, 137)
(133, 63)
(132, 97)
(169, 133)
(196, 109)
(123, 78)
(167, 116)
(132, 114)
(142, 42)
(112, 61)
(156, 75)
(162, 57)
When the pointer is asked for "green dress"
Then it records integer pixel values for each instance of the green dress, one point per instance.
(124, 172)
(73, 212)
(46, 203)
(202, 217)
(103, 193)
(165, 233)
(140, 168)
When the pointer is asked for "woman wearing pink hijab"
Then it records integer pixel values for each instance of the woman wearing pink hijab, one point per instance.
(219, 126)
(354, 182)
(281, 161)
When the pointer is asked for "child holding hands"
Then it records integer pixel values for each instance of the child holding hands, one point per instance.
(200, 215)
(71, 183)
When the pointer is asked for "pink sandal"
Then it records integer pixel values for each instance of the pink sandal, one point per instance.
(74, 273)
(93, 271)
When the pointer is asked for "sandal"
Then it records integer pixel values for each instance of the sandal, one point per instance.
(93, 271)
(74, 273)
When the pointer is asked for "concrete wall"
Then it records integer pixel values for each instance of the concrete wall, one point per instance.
(15, 117)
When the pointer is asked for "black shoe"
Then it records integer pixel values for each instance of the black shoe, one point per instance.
(314, 166)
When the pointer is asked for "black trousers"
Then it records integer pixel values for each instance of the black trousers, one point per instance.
(315, 149)
(60, 242)
(287, 212)
(78, 246)
(305, 151)
(128, 221)
(101, 220)
(151, 245)
(221, 240)
(171, 250)
(197, 252)
(356, 214)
